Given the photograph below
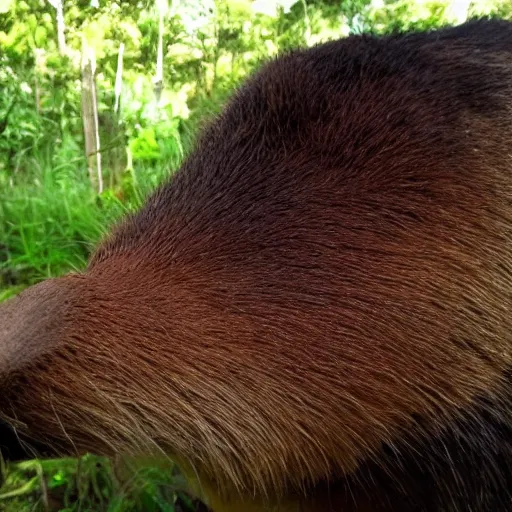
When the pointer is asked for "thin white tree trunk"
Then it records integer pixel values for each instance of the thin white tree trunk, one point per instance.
(119, 79)
(158, 79)
(90, 117)
(61, 26)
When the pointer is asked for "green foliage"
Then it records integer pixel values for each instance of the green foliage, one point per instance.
(50, 217)
(89, 484)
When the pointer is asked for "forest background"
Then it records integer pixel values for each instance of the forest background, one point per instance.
(100, 102)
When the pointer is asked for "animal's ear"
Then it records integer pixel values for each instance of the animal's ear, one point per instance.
(32, 322)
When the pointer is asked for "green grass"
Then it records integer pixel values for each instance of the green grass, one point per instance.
(48, 226)
(90, 484)
(51, 219)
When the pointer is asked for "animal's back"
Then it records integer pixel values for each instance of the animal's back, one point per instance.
(324, 288)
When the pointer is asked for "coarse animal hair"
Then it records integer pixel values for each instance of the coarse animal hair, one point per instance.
(314, 313)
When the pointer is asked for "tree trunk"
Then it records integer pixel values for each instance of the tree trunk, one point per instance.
(90, 117)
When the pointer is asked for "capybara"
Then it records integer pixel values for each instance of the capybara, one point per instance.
(315, 312)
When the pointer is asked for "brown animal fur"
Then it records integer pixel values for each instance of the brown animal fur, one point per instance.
(315, 313)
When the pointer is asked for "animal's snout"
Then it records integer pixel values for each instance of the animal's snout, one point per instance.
(31, 323)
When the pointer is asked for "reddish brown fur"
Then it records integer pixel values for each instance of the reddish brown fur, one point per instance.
(314, 314)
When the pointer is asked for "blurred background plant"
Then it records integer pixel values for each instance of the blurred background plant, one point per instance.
(101, 100)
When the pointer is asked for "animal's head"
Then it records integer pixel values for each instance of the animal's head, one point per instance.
(43, 339)
(84, 360)
(122, 358)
